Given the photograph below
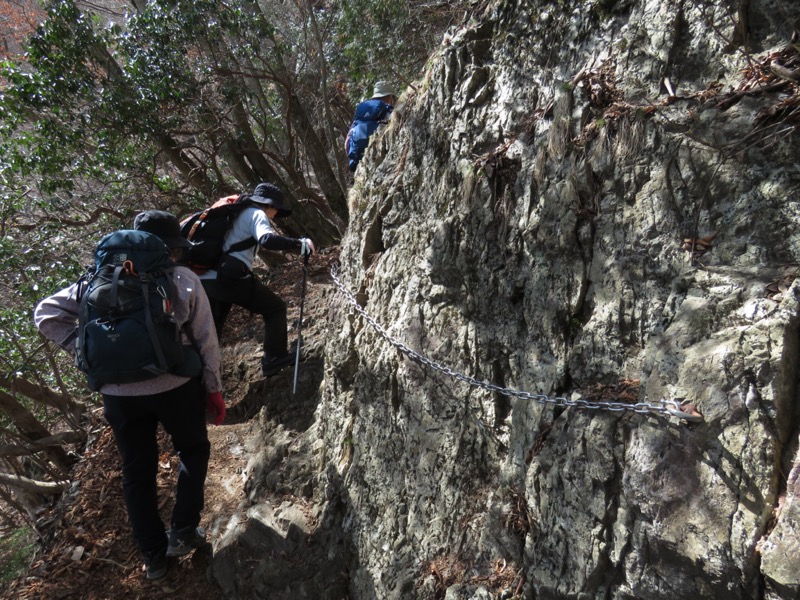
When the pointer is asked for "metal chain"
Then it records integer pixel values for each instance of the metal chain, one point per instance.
(672, 407)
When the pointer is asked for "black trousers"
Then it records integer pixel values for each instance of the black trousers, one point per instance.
(134, 421)
(251, 294)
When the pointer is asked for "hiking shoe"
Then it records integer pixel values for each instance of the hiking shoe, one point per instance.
(183, 541)
(156, 563)
(270, 366)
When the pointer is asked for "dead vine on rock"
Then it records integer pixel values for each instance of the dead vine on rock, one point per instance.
(698, 246)
(776, 289)
(776, 71)
(606, 102)
(626, 390)
(449, 570)
(519, 519)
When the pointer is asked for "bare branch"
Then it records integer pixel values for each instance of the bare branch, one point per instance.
(30, 447)
(49, 488)
(61, 220)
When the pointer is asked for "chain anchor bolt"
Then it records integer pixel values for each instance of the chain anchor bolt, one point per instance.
(684, 411)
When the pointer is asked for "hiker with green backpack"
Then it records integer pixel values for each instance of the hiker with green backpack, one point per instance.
(227, 271)
(140, 327)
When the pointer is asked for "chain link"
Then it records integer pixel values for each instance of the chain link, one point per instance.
(672, 407)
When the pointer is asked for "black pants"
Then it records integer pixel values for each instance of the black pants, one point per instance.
(251, 294)
(134, 421)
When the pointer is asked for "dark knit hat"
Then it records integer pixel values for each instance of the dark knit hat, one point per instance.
(162, 224)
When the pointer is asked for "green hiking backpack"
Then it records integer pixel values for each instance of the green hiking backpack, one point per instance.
(126, 328)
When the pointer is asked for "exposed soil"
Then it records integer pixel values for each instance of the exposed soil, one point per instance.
(88, 552)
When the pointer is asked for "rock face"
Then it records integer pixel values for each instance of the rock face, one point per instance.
(592, 201)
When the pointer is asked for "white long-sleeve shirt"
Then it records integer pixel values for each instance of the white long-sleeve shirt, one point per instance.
(251, 223)
(56, 318)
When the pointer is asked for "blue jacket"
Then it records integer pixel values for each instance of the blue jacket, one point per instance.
(369, 114)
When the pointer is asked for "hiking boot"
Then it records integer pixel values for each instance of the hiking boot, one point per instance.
(183, 541)
(270, 366)
(156, 563)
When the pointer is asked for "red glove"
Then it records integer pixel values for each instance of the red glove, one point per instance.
(216, 406)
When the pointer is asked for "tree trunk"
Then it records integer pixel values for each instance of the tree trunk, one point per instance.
(191, 171)
(60, 402)
(30, 428)
(326, 103)
(318, 157)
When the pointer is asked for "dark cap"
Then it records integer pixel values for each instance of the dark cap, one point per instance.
(162, 224)
(271, 195)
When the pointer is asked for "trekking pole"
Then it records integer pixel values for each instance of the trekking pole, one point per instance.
(300, 324)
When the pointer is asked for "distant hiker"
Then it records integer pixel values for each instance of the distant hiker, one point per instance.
(129, 291)
(232, 281)
(369, 114)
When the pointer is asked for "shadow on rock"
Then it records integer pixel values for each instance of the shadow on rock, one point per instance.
(274, 394)
(282, 552)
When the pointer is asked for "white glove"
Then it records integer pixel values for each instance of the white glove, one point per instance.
(306, 247)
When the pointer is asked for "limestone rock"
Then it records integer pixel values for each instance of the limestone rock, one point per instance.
(588, 200)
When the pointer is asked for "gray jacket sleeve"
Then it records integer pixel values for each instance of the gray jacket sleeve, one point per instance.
(194, 314)
(56, 318)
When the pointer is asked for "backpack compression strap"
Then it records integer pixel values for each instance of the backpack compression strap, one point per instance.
(151, 330)
(243, 245)
(200, 218)
(127, 266)
(163, 365)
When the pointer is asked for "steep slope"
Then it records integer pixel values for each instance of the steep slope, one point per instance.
(590, 200)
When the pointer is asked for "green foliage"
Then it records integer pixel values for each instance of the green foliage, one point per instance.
(367, 32)
(16, 552)
(101, 120)
(154, 52)
(33, 266)
(387, 39)
(177, 86)
(70, 110)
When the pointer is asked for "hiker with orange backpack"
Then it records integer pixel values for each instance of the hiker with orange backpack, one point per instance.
(230, 280)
